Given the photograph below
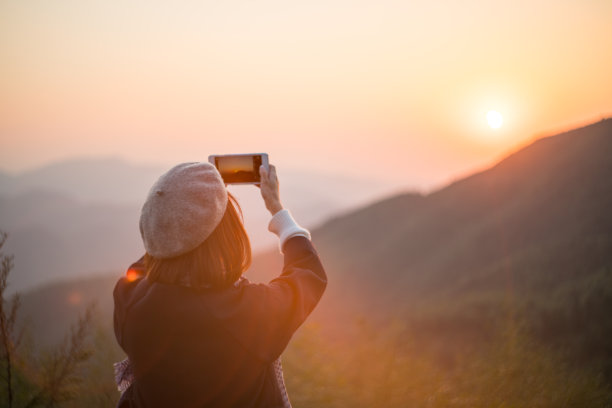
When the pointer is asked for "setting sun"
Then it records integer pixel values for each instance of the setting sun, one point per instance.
(494, 119)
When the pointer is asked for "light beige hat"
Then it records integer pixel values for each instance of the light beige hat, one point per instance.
(182, 209)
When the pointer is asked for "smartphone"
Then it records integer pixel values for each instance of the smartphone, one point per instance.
(239, 168)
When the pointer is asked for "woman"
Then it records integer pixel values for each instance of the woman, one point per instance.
(198, 334)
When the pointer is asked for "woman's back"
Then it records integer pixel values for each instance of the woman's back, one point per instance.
(214, 347)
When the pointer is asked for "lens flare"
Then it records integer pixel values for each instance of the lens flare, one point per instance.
(132, 275)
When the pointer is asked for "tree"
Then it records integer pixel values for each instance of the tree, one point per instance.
(56, 378)
(7, 322)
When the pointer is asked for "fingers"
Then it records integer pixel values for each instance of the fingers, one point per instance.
(272, 174)
(263, 176)
(269, 189)
(269, 174)
(263, 172)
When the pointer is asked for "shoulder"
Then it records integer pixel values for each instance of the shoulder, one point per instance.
(134, 276)
(127, 290)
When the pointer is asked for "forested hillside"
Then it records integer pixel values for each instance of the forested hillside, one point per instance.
(526, 243)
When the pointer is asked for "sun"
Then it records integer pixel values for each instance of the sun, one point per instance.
(495, 119)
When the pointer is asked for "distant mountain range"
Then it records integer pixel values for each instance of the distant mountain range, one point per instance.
(527, 242)
(98, 180)
(80, 217)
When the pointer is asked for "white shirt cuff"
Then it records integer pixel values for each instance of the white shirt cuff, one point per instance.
(284, 226)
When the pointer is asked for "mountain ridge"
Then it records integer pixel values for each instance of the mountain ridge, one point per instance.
(490, 190)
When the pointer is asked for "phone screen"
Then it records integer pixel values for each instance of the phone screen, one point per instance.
(239, 169)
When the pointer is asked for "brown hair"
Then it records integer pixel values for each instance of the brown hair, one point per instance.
(217, 262)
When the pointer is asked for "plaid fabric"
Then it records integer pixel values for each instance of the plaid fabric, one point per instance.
(280, 380)
(124, 376)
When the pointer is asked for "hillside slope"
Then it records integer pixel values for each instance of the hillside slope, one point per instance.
(553, 196)
(527, 242)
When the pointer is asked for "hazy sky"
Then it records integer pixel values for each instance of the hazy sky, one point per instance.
(384, 89)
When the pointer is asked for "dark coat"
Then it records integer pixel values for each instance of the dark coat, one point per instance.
(212, 347)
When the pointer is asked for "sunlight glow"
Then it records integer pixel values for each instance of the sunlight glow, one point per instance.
(495, 119)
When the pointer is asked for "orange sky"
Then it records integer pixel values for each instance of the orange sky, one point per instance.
(387, 89)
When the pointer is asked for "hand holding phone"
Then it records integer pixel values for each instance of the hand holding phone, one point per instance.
(240, 168)
(270, 190)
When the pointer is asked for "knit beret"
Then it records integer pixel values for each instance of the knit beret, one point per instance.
(182, 209)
